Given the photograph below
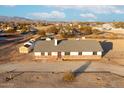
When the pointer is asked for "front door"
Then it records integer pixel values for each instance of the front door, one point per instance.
(59, 54)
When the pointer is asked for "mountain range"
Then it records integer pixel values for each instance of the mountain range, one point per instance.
(15, 19)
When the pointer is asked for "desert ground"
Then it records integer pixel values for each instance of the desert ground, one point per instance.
(49, 80)
(114, 55)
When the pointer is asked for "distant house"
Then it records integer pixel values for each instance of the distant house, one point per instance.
(7, 28)
(104, 27)
(68, 49)
(49, 34)
(1, 30)
(33, 30)
(107, 26)
(19, 31)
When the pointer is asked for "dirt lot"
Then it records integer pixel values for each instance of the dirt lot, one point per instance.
(118, 44)
(11, 54)
(115, 55)
(114, 51)
(9, 51)
(33, 79)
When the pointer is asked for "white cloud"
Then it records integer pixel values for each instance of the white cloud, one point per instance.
(88, 15)
(93, 8)
(46, 15)
(91, 20)
(106, 10)
(9, 6)
(118, 11)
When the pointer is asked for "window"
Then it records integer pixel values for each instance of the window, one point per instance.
(94, 53)
(67, 53)
(79, 53)
(37, 53)
(42, 53)
(49, 53)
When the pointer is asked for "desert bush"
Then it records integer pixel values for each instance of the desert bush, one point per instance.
(11, 31)
(96, 31)
(68, 76)
(42, 33)
(52, 29)
(118, 24)
(86, 30)
(67, 35)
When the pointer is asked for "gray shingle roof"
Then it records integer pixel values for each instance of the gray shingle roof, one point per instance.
(68, 46)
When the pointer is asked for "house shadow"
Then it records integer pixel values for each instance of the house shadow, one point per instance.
(81, 69)
(106, 46)
(59, 41)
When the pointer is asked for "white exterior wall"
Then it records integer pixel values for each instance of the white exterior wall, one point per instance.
(87, 53)
(74, 53)
(55, 42)
(99, 53)
(37, 53)
(48, 39)
(54, 53)
(62, 53)
(46, 53)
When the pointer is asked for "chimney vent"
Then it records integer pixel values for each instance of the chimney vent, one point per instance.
(55, 42)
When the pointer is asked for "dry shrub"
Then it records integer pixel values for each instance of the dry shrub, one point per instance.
(42, 33)
(69, 76)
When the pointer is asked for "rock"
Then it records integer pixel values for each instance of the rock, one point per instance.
(98, 78)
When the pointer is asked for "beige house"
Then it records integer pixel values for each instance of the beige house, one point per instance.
(27, 47)
(68, 49)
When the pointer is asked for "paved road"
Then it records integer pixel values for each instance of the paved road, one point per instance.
(63, 67)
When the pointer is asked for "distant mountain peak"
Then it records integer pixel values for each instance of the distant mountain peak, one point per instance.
(14, 18)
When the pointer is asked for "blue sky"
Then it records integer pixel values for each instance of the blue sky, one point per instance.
(65, 13)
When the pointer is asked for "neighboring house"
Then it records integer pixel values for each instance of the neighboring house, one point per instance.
(7, 28)
(107, 26)
(117, 30)
(27, 47)
(49, 34)
(104, 27)
(19, 31)
(79, 26)
(1, 30)
(33, 30)
(68, 49)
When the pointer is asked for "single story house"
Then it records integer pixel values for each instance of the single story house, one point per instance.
(67, 49)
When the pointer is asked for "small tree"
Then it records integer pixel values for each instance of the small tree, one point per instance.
(96, 31)
(23, 30)
(53, 29)
(42, 33)
(11, 31)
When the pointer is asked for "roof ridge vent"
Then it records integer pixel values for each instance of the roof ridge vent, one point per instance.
(55, 42)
